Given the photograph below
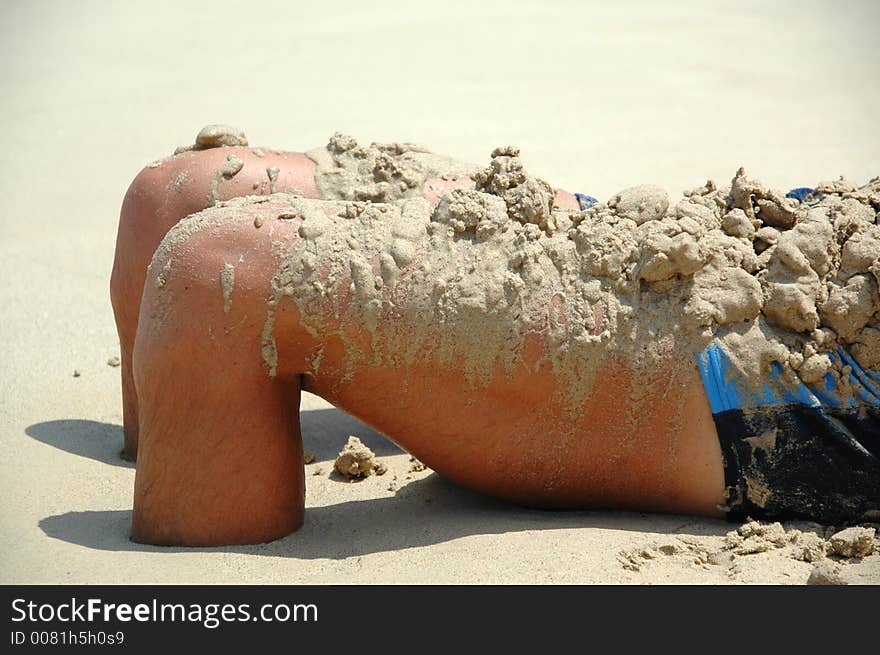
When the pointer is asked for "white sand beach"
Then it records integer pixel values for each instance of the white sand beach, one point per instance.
(598, 96)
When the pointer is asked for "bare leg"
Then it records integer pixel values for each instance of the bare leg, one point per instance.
(220, 458)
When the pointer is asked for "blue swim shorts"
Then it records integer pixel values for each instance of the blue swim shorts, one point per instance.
(796, 450)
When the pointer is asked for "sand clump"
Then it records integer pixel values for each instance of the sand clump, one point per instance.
(641, 203)
(855, 542)
(378, 172)
(216, 136)
(230, 169)
(527, 199)
(356, 461)
(272, 173)
(825, 573)
(755, 543)
(227, 285)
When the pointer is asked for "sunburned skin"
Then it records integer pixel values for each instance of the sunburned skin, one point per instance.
(511, 342)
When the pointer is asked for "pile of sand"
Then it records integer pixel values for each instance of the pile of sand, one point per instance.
(357, 461)
(775, 279)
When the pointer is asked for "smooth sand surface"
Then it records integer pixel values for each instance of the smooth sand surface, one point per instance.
(599, 96)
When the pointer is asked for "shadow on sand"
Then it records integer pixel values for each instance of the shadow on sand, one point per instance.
(427, 511)
(93, 439)
(324, 431)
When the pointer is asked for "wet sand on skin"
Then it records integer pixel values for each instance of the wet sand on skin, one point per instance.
(622, 102)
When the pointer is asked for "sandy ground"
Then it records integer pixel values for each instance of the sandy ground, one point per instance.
(599, 96)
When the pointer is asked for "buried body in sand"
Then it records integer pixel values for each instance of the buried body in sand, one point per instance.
(717, 355)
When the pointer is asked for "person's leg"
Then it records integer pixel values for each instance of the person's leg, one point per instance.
(158, 198)
(220, 458)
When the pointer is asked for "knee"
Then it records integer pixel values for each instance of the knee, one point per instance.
(197, 277)
(210, 286)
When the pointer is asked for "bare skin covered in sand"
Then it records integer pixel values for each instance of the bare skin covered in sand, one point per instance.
(475, 316)
(219, 166)
(220, 459)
